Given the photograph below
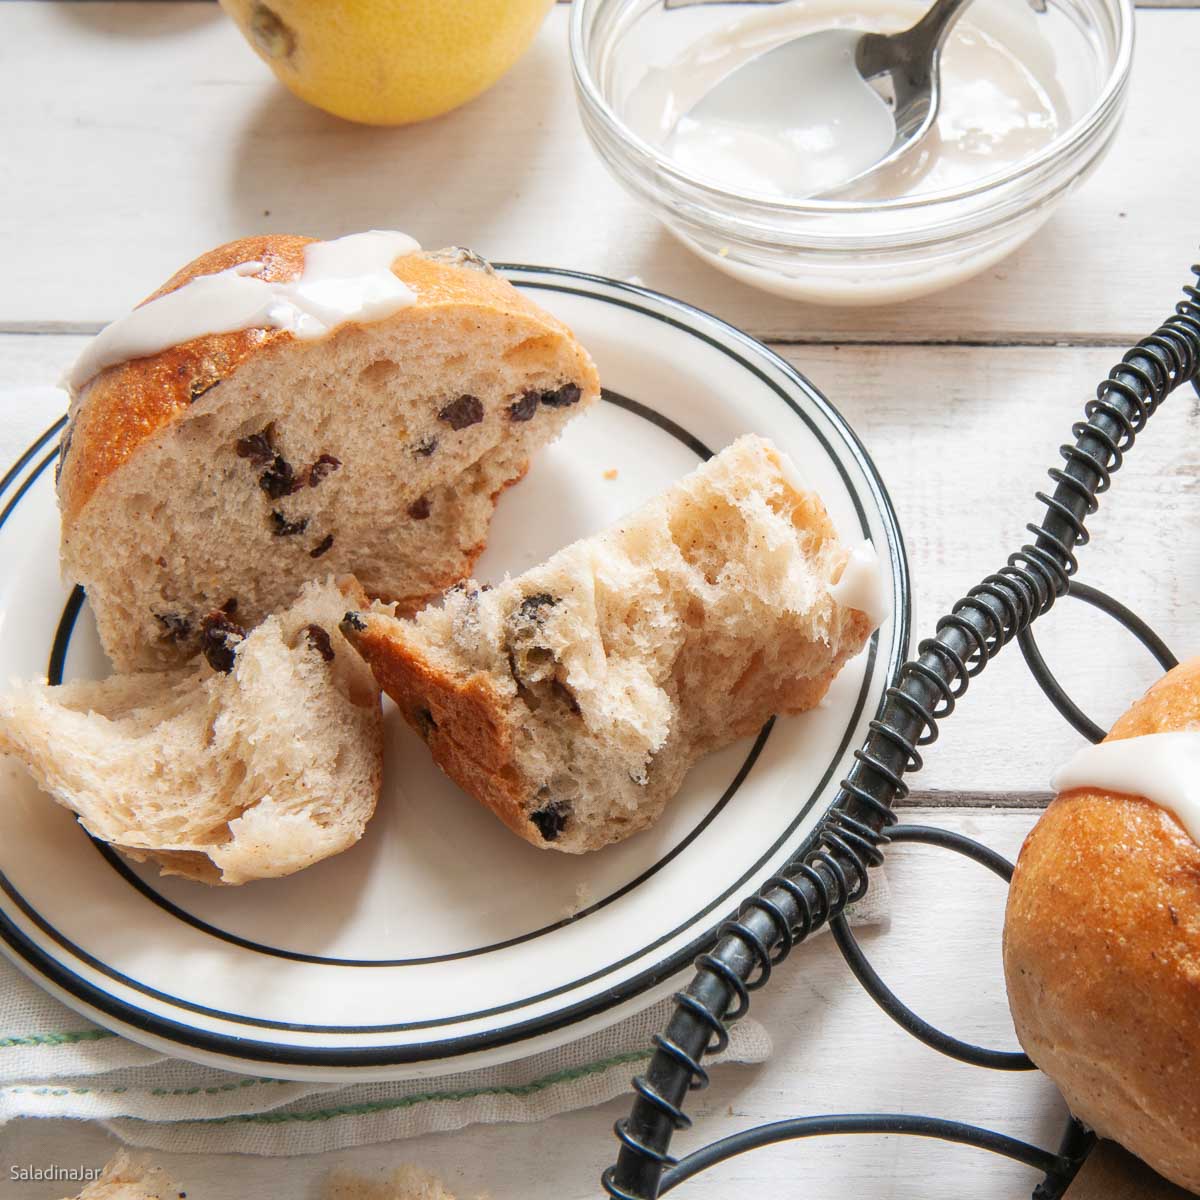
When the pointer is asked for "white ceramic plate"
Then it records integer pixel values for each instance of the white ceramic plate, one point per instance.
(441, 935)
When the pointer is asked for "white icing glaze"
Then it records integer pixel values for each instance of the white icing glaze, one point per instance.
(861, 585)
(1162, 767)
(808, 121)
(348, 279)
(804, 120)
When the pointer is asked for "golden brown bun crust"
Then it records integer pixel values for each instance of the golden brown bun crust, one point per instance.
(129, 403)
(456, 678)
(478, 754)
(479, 757)
(1102, 954)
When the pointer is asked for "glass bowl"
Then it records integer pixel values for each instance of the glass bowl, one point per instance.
(860, 251)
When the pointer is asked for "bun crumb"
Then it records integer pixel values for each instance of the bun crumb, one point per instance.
(129, 1177)
(245, 464)
(573, 699)
(260, 757)
(403, 1183)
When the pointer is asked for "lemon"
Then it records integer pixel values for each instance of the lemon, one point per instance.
(388, 62)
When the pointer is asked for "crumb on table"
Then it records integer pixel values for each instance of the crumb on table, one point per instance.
(611, 473)
(405, 1182)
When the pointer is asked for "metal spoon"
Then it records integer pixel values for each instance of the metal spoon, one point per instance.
(905, 63)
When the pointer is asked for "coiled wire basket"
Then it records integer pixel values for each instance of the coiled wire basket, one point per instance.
(817, 885)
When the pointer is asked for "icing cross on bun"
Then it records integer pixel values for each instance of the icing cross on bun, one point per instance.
(333, 423)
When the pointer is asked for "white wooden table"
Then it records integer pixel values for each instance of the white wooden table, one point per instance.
(136, 135)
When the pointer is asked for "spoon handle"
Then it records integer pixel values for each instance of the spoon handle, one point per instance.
(911, 55)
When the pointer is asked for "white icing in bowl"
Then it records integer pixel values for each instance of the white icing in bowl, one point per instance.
(849, 251)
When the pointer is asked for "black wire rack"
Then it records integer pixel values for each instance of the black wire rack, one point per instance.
(815, 887)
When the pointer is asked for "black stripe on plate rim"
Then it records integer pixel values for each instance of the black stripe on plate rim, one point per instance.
(26, 484)
(873, 481)
(118, 863)
(25, 458)
(870, 472)
(145, 888)
(238, 1048)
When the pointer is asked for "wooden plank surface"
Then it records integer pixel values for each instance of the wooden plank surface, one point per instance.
(963, 438)
(834, 1052)
(140, 134)
(158, 134)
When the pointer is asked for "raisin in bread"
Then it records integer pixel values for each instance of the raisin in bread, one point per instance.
(243, 464)
(125, 1177)
(573, 699)
(261, 757)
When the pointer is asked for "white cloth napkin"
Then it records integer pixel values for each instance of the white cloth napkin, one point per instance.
(54, 1063)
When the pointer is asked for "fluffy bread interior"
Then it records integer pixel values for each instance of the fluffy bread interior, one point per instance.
(220, 777)
(379, 451)
(573, 699)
